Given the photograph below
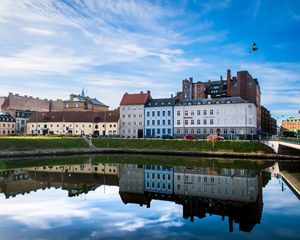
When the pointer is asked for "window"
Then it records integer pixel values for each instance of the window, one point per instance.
(211, 121)
(198, 112)
(153, 114)
(134, 115)
(148, 122)
(178, 131)
(211, 112)
(164, 131)
(204, 112)
(169, 122)
(169, 113)
(186, 113)
(211, 131)
(192, 131)
(178, 113)
(192, 113)
(169, 131)
(192, 122)
(198, 130)
(153, 122)
(163, 122)
(198, 122)
(158, 131)
(129, 115)
(186, 122)
(140, 115)
(158, 113)
(158, 122)
(225, 131)
(205, 121)
(163, 113)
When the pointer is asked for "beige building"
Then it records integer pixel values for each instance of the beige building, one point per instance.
(82, 103)
(74, 123)
(7, 124)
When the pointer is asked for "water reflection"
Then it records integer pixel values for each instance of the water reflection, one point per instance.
(226, 192)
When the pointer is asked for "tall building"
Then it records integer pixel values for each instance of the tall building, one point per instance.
(159, 119)
(132, 114)
(243, 85)
(268, 124)
(228, 117)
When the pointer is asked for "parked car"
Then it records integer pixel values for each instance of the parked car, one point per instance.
(167, 137)
(189, 137)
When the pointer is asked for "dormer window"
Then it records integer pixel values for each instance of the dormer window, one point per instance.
(209, 102)
(228, 101)
(218, 102)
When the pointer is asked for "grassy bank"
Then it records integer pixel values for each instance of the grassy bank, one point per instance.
(36, 143)
(220, 146)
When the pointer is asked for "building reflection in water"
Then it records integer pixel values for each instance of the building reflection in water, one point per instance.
(232, 193)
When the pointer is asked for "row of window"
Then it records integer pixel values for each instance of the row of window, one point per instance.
(132, 123)
(198, 112)
(158, 113)
(192, 122)
(7, 132)
(158, 122)
(51, 125)
(131, 108)
(211, 180)
(158, 176)
(212, 190)
(133, 115)
(7, 125)
(154, 132)
(211, 122)
(204, 131)
(5, 119)
(158, 185)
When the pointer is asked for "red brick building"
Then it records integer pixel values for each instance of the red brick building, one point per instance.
(242, 85)
(268, 124)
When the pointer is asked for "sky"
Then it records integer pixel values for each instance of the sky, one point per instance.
(52, 48)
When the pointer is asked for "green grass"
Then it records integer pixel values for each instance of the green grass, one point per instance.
(33, 143)
(220, 146)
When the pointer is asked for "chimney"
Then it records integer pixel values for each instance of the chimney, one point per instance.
(148, 92)
(171, 95)
(228, 81)
(221, 78)
(191, 79)
(141, 91)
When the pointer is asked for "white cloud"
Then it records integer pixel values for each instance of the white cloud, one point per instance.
(39, 31)
(44, 59)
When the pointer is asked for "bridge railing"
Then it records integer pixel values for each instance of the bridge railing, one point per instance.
(283, 139)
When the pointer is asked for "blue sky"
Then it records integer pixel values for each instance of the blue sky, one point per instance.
(53, 48)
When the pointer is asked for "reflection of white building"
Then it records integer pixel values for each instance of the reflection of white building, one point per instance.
(159, 179)
(226, 184)
(132, 178)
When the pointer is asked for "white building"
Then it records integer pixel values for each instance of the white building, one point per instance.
(229, 117)
(132, 114)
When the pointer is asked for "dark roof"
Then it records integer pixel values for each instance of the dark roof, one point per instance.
(135, 98)
(6, 117)
(205, 101)
(88, 116)
(161, 102)
(93, 101)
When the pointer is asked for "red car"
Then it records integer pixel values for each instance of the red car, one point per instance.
(189, 137)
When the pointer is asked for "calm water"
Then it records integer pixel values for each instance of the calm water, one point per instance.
(131, 197)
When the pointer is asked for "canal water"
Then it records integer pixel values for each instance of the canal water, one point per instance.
(145, 197)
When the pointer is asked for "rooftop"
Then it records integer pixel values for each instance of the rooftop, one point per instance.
(135, 98)
(205, 101)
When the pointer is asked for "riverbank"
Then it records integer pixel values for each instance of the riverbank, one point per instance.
(70, 152)
(16, 147)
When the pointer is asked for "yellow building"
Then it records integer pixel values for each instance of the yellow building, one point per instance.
(80, 103)
(74, 123)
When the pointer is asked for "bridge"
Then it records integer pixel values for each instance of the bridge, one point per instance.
(290, 146)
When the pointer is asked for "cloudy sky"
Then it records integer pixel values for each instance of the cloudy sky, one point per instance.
(51, 48)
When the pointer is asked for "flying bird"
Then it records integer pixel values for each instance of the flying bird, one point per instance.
(254, 48)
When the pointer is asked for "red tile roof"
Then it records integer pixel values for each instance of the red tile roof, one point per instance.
(135, 98)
